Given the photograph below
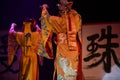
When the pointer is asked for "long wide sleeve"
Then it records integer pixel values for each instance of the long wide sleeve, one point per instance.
(12, 47)
(45, 48)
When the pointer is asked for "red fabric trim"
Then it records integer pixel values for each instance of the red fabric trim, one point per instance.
(47, 47)
(80, 74)
(69, 23)
(49, 51)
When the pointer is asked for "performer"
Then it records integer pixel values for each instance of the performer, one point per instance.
(28, 40)
(67, 27)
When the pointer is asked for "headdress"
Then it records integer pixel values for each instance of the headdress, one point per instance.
(65, 5)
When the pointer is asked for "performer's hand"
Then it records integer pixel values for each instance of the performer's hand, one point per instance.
(13, 25)
(44, 9)
(38, 28)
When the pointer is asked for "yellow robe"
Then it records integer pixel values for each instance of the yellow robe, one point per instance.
(68, 53)
(28, 42)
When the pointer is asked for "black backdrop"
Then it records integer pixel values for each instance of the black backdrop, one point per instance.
(92, 11)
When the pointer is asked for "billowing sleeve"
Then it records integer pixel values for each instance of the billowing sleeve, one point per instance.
(45, 48)
(14, 40)
(12, 47)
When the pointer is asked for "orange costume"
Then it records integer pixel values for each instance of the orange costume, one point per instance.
(28, 42)
(67, 27)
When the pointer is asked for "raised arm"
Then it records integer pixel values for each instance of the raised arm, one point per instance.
(38, 29)
(44, 10)
(12, 44)
(13, 25)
